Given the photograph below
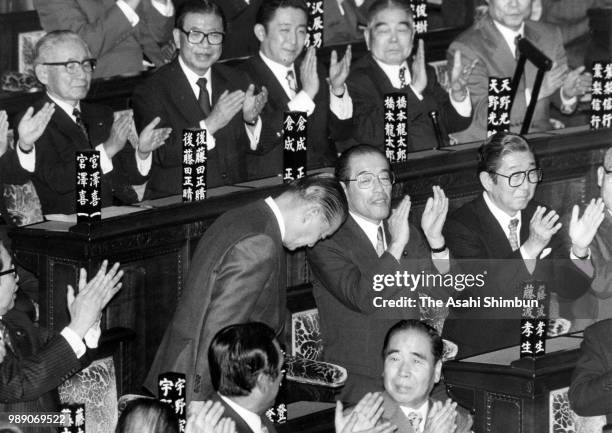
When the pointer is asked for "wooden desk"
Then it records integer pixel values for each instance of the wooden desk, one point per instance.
(155, 245)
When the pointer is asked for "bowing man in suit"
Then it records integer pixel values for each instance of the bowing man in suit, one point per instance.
(296, 84)
(36, 360)
(194, 91)
(373, 243)
(490, 44)
(64, 65)
(509, 240)
(118, 33)
(389, 37)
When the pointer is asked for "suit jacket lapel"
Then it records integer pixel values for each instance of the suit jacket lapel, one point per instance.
(65, 125)
(218, 85)
(492, 231)
(394, 415)
(499, 51)
(184, 98)
(358, 236)
(275, 89)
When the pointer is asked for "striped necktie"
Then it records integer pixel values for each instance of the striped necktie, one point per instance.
(513, 235)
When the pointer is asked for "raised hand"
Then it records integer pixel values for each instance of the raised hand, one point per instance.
(434, 216)
(253, 104)
(226, 107)
(583, 229)
(3, 132)
(31, 126)
(553, 79)
(85, 309)
(399, 228)
(367, 413)
(151, 138)
(459, 77)
(308, 73)
(119, 134)
(542, 227)
(419, 73)
(577, 82)
(205, 417)
(441, 418)
(339, 71)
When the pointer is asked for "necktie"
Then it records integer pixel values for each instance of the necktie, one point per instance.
(516, 48)
(6, 338)
(513, 237)
(204, 97)
(380, 242)
(402, 77)
(414, 418)
(79, 121)
(291, 81)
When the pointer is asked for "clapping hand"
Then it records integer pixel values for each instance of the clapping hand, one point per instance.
(205, 417)
(459, 77)
(441, 418)
(151, 138)
(31, 126)
(582, 230)
(253, 103)
(434, 216)
(364, 417)
(308, 73)
(120, 131)
(542, 227)
(339, 71)
(419, 72)
(577, 83)
(227, 106)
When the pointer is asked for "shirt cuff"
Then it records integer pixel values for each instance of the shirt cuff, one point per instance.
(254, 133)
(144, 165)
(75, 342)
(463, 108)
(165, 9)
(27, 160)
(302, 102)
(341, 107)
(92, 336)
(129, 13)
(210, 139)
(106, 164)
(575, 257)
(567, 104)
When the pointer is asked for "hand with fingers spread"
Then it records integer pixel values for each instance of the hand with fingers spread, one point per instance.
(85, 309)
(31, 126)
(339, 71)
(459, 77)
(308, 73)
(434, 216)
(364, 416)
(553, 80)
(542, 227)
(120, 131)
(577, 83)
(582, 230)
(441, 417)
(419, 72)
(253, 103)
(152, 138)
(3, 132)
(206, 418)
(399, 229)
(228, 105)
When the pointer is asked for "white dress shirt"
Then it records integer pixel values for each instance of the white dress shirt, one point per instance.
(422, 410)
(164, 9)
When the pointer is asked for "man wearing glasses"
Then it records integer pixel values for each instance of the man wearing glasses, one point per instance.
(194, 92)
(504, 236)
(64, 66)
(354, 310)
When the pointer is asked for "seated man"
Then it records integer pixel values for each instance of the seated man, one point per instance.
(412, 354)
(281, 30)
(389, 37)
(590, 393)
(36, 361)
(47, 151)
(117, 33)
(195, 92)
(509, 240)
(491, 43)
(350, 266)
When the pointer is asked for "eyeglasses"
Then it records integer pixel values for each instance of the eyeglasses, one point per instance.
(366, 180)
(72, 66)
(197, 37)
(12, 270)
(516, 179)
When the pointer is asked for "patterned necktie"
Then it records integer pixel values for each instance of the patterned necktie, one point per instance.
(6, 338)
(402, 77)
(512, 236)
(414, 419)
(79, 121)
(517, 53)
(380, 242)
(204, 97)
(290, 77)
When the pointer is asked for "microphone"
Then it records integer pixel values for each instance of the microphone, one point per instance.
(440, 142)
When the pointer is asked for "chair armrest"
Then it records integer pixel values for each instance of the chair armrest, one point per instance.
(310, 372)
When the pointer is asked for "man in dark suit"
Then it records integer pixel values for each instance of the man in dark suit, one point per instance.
(118, 33)
(412, 354)
(240, 40)
(36, 361)
(350, 267)
(238, 273)
(64, 65)
(195, 92)
(491, 44)
(281, 30)
(590, 393)
(389, 37)
(510, 241)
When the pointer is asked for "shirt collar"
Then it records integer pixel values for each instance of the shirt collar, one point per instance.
(279, 71)
(68, 108)
(422, 410)
(278, 214)
(509, 34)
(251, 418)
(370, 229)
(193, 78)
(392, 72)
(502, 217)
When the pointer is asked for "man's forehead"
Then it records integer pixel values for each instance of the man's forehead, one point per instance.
(69, 48)
(514, 159)
(391, 14)
(199, 19)
(285, 15)
(410, 341)
(371, 162)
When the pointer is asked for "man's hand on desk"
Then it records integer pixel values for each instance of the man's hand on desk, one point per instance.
(119, 134)
(226, 107)
(31, 126)
(151, 138)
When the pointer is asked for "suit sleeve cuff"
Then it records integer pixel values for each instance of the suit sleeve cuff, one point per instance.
(105, 162)
(302, 102)
(254, 134)
(74, 341)
(27, 160)
(92, 336)
(463, 108)
(144, 165)
(210, 139)
(341, 107)
(129, 13)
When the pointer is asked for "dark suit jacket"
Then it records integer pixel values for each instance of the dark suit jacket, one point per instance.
(241, 425)
(237, 275)
(484, 42)
(368, 85)
(590, 393)
(111, 38)
(353, 328)
(240, 40)
(29, 376)
(322, 126)
(167, 94)
(477, 240)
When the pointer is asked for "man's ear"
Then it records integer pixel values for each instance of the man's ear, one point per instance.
(260, 32)
(176, 34)
(264, 382)
(438, 371)
(486, 180)
(366, 36)
(600, 176)
(42, 73)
